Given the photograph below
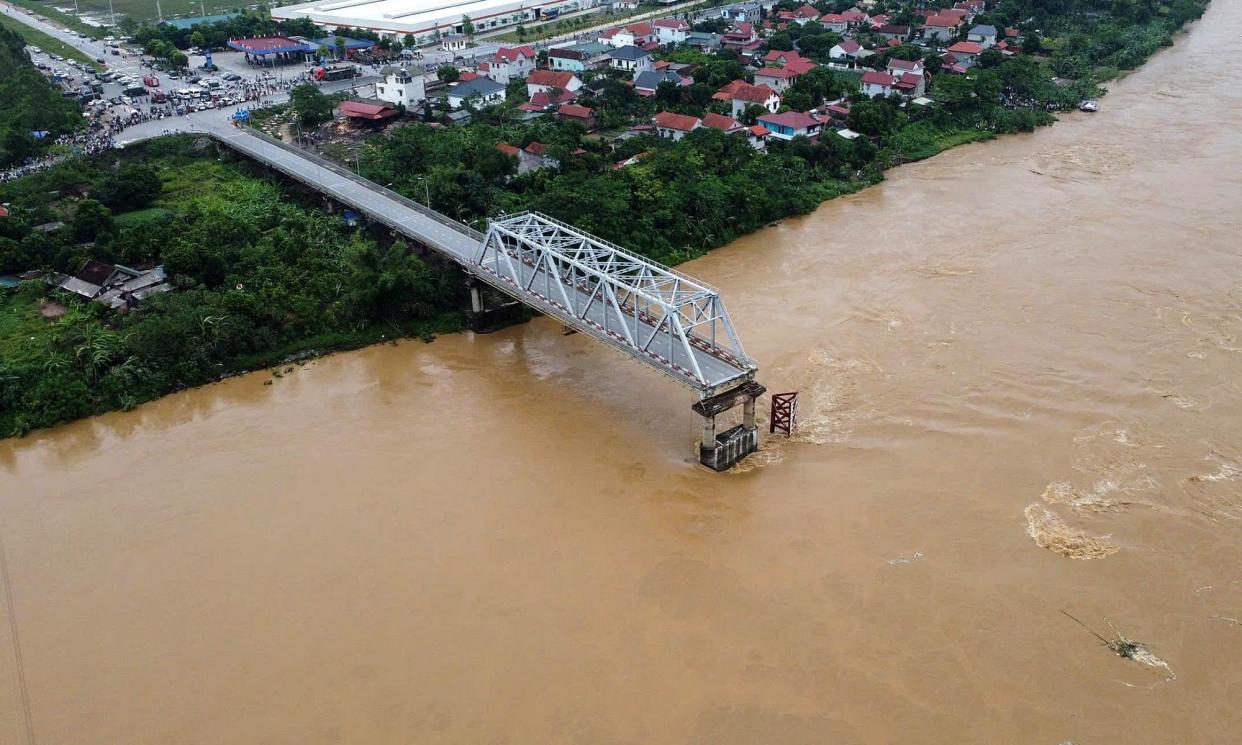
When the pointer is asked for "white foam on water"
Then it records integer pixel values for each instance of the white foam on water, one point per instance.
(1050, 532)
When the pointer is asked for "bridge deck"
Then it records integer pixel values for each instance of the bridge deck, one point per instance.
(463, 244)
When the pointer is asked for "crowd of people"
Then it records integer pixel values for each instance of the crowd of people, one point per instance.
(95, 139)
(107, 123)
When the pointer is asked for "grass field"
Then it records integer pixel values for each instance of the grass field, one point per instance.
(68, 20)
(139, 10)
(45, 42)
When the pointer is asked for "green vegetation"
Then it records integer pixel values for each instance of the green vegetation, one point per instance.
(47, 43)
(68, 20)
(258, 278)
(32, 105)
(215, 35)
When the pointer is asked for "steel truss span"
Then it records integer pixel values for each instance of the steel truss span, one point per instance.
(648, 311)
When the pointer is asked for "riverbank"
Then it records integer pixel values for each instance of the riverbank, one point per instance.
(255, 276)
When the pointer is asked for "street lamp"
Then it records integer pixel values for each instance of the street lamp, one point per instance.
(426, 190)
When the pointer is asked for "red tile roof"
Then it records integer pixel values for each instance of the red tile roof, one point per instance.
(681, 122)
(902, 64)
(944, 20)
(965, 47)
(509, 54)
(365, 110)
(672, 23)
(878, 78)
(793, 119)
(776, 73)
(550, 78)
(759, 131)
(536, 148)
(508, 149)
(740, 90)
(721, 122)
(575, 111)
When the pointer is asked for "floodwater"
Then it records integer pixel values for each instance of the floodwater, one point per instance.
(1019, 365)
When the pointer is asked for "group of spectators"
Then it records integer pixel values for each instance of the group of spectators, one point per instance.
(96, 139)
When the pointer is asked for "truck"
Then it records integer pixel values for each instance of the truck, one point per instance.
(150, 81)
(342, 72)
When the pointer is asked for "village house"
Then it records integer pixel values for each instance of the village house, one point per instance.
(757, 137)
(401, 87)
(704, 41)
(848, 54)
(630, 59)
(675, 126)
(647, 81)
(579, 57)
(777, 78)
(575, 113)
(898, 67)
(671, 30)
(965, 52)
(479, 92)
(835, 22)
(530, 158)
(114, 285)
(892, 32)
(875, 83)
(740, 36)
(726, 124)
(548, 80)
(454, 42)
(509, 63)
(941, 27)
(636, 34)
(791, 124)
(742, 12)
(742, 95)
(801, 16)
(360, 110)
(984, 36)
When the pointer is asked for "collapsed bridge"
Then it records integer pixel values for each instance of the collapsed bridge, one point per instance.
(662, 318)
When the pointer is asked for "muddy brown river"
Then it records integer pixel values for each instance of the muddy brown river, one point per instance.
(1021, 395)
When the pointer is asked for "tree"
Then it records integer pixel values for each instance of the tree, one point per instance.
(339, 43)
(198, 40)
(133, 186)
(310, 104)
(178, 60)
(409, 41)
(448, 73)
(872, 117)
(91, 222)
(467, 27)
(781, 41)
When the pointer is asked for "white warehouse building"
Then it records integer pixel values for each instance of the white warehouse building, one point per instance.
(427, 20)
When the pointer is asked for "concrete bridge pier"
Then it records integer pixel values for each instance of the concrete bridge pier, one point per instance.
(486, 314)
(720, 451)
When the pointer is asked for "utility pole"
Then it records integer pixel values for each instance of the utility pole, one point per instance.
(158, 13)
(112, 15)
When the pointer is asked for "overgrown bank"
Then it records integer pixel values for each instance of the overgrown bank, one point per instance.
(258, 277)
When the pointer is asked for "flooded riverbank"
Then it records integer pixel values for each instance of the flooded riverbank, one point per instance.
(1019, 363)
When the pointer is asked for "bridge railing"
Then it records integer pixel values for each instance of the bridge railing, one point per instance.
(373, 186)
(621, 250)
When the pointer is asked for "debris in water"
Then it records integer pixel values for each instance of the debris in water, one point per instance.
(1125, 647)
(905, 559)
(1227, 619)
